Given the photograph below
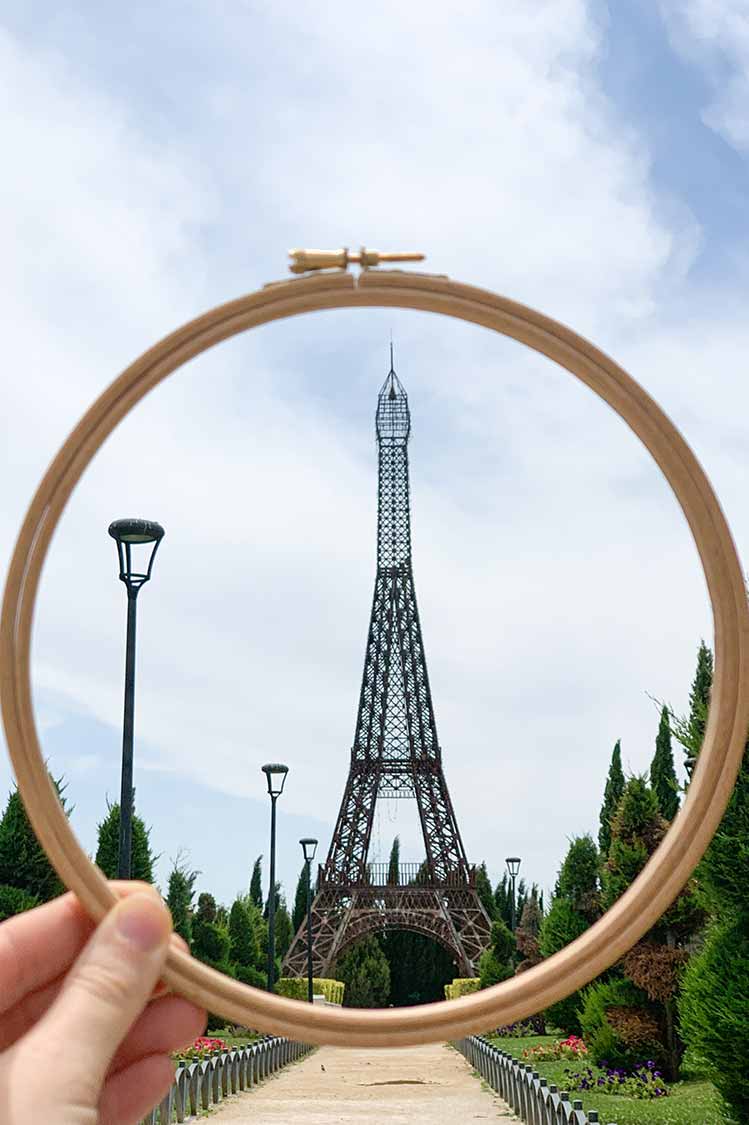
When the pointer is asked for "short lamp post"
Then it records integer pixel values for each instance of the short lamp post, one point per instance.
(275, 774)
(309, 847)
(513, 866)
(137, 543)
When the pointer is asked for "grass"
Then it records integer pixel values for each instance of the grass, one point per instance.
(235, 1037)
(693, 1102)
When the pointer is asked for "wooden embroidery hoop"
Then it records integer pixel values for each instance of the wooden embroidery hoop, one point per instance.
(717, 766)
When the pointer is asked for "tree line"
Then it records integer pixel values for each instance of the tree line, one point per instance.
(231, 938)
(686, 983)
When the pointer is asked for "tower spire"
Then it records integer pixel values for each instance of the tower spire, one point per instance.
(395, 754)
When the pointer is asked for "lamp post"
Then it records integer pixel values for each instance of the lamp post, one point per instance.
(140, 538)
(275, 774)
(309, 847)
(513, 866)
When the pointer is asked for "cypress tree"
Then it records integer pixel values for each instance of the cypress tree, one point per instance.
(699, 704)
(714, 1004)
(14, 901)
(496, 962)
(366, 974)
(662, 772)
(300, 900)
(210, 939)
(419, 967)
(503, 900)
(575, 906)
(612, 795)
(23, 863)
(637, 829)
(484, 891)
(108, 847)
(256, 883)
(179, 898)
(394, 863)
(655, 963)
(284, 932)
(243, 945)
(578, 878)
(266, 908)
(522, 895)
(528, 929)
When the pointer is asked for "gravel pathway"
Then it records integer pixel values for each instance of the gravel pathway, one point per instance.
(430, 1085)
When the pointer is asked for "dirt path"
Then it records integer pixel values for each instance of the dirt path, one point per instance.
(337, 1086)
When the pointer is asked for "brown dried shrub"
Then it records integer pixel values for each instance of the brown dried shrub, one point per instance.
(634, 1026)
(656, 969)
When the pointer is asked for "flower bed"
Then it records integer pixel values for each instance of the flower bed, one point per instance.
(570, 1048)
(693, 1101)
(202, 1048)
(644, 1081)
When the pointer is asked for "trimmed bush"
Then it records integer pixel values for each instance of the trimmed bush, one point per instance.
(295, 988)
(249, 975)
(619, 1026)
(462, 986)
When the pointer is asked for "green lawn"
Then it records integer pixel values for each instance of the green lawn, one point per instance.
(242, 1039)
(692, 1102)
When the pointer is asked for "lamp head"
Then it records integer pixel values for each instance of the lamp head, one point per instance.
(137, 542)
(513, 864)
(275, 773)
(309, 847)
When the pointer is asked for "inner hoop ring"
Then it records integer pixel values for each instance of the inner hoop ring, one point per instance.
(668, 869)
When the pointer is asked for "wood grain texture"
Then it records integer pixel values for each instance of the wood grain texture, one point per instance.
(718, 763)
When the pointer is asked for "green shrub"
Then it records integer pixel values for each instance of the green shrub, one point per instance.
(714, 1010)
(496, 962)
(492, 970)
(617, 1024)
(365, 971)
(462, 986)
(14, 901)
(295, 988)
(561, 926)
(248, 974)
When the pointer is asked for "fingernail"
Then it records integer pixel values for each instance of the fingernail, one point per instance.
(143, 921)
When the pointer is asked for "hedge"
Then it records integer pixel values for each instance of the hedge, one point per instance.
(462, 986)
(295, 988)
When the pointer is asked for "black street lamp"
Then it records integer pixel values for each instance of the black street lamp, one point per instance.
(309, 847)
(513, 866)
(275, 774)
(139, 538)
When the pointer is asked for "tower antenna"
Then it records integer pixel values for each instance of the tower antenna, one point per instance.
(396, 754)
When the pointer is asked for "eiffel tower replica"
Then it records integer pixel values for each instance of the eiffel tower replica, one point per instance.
(396, 754)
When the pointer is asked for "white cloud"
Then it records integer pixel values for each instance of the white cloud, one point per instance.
(715, 34)
(556, 580)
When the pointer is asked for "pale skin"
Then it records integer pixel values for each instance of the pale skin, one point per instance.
(86, 1031)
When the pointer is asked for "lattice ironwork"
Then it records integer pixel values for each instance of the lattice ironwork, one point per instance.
(396, 754)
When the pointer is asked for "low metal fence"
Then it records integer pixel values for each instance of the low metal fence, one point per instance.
(528, 1095)
(206, 1082)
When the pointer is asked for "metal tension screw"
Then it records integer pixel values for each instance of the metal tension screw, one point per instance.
(304, 261)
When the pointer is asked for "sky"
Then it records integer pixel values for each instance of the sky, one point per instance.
(588, 159)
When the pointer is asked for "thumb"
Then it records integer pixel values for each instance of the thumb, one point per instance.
(107, 989)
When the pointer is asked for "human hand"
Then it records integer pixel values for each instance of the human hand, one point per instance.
(83, 1038)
